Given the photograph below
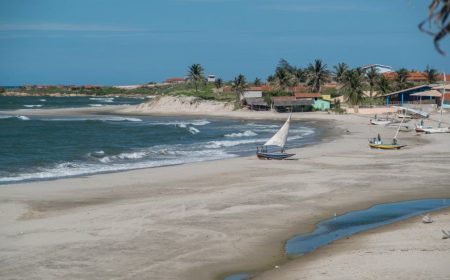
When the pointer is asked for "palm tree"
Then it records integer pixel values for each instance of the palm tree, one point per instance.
(384, 85)
(257, 82)
(282, 79)
(432, 74)
(353, 86)
(402, 78)
(195, 74)
(339, 71)
(439, 15)
(218, 83)
(239, 85)
(300, 75)
(372, 77)
(317, 75)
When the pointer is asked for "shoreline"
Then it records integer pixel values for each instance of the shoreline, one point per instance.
(194, 221)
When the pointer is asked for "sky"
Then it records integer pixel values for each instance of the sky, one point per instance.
(120, 42)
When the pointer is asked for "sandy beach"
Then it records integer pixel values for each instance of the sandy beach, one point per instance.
(211, 219)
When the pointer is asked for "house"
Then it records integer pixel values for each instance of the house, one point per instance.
(290, 103)
(406, 96)
(251, 92)
(318, 102)
(91, 87)
(175, 80)
(256, 103)
(211, 78)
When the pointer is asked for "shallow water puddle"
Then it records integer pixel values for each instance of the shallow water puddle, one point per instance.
(354, 222)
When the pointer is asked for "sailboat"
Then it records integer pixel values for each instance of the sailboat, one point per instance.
(278, 140)
(439, 129)
(377, 143)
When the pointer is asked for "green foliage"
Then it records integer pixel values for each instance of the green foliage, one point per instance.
(218, 83)
(317, 75)
(431, 75)
(239, 85)
(372, 78)
(257, 82)
(353, 86)
(339, 71)
(196, 75)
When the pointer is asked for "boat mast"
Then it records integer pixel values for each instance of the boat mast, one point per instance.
(398, 129)
(442, 97)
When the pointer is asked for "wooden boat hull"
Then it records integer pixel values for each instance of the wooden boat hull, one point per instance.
(386, 146)
(277, 156)
(376, 122)
(436, 130)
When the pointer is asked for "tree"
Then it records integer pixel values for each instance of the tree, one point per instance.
(438, 13)
(353, 86)
(218, 83)
(282, 79)
(402, 78)
(432, 75)
(239, 85)
(384, 85)
(317, 74)
(196, 75)
(257, 82)
(372, 77)
(340, 71)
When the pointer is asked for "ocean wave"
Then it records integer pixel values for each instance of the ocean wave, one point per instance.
(120, 119)
(43, 100)
(6, 117)
(103, 99)
(193, 130)
(32, 106)
(229, 143)
(69, 169)
(184, 123)
(247, 133)
(23, 118)
(96, 105)
(104, 119)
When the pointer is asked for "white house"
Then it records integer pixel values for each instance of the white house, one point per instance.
(211, 78)
(252, 92)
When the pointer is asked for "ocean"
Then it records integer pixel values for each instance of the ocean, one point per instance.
(49, 147)
(52, 102)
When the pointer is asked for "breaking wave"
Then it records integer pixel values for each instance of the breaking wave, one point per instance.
(247, 133)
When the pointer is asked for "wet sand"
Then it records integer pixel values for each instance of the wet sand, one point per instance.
(210, 219)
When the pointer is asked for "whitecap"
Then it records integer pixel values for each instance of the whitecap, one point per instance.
(193, 130)
(96, 105)
(32, 106)
(43, 100)
(246, 133)
(103, 99)
(220, 144)
(24, 118)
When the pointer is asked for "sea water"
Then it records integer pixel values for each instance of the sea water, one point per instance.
(52, 102)
(48, 147)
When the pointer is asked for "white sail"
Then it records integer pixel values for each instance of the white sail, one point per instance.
(279, 139)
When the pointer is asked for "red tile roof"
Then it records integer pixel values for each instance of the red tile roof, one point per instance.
(254, 89)
(307, 95)
(174, 80)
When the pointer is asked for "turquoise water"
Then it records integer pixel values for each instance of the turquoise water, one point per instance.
(51, 102)
(47, 147)
(354, 222)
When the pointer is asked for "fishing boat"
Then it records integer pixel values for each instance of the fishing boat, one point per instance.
(439, 129)
(278, 140)
(377, 143)
(380, 122)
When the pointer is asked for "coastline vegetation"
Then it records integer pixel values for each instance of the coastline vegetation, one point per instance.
(357, 86)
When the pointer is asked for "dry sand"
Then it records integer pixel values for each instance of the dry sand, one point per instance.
(210, 219)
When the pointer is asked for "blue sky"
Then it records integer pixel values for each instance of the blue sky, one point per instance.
(111, 42)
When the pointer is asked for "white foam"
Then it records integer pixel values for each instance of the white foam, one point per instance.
(32, 106)
(6, 116)
(220, 144)
(193, 130)
(96, 105)
(24, 118)
(103, 99)
(121, 119)
(247, 133)
(43, 100)
(68, 169)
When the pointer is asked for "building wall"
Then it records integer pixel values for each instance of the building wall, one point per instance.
(250, 94)
(321, 105)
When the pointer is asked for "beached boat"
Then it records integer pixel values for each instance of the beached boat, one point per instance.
(278, 140)
(380, 122)
(377, 143)
(436, 130)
